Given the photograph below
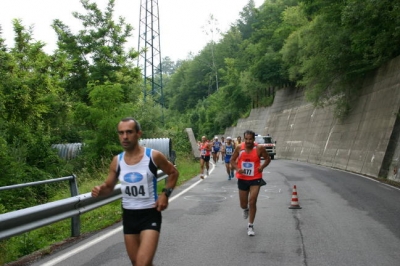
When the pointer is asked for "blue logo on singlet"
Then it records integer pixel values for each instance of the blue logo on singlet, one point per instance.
(133, 177)
(247, 165)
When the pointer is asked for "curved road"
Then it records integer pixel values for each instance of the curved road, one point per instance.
(345, 220)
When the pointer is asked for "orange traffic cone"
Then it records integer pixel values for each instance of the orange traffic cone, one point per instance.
(295, 201)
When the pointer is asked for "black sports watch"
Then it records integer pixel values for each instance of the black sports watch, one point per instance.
(167, 191)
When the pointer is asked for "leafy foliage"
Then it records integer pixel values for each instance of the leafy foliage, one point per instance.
(97, 52)
(327, 47)
(81, 91)
(338, 45)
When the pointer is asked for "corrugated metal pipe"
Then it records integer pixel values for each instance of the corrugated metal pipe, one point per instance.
(164, 145)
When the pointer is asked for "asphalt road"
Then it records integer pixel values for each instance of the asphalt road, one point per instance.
(345, 220)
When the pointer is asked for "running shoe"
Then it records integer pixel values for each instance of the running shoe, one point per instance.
(246, 213)
(250, 230)
(207, 172)
(229, 177)
(201, 176)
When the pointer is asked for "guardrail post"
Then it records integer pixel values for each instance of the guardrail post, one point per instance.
(75, 220)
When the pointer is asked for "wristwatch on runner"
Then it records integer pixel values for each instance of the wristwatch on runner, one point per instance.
(167, 191)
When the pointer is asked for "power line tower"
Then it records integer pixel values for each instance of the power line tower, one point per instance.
(150, 50)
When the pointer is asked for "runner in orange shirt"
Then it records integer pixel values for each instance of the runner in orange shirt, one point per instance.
(205, 153)
(246, 160)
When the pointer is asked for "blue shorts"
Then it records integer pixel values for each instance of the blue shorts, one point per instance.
(228, 158)
(215, 150)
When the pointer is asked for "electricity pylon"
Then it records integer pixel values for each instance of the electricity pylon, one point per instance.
(150, 50)
(209, 29)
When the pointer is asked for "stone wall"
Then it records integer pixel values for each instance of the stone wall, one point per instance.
(365, 142)
(193, 143)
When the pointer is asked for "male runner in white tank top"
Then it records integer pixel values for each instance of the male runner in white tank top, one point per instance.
(136, 169)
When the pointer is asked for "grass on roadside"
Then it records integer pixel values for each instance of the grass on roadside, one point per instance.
(44, 240)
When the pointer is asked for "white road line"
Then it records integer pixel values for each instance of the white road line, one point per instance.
(111, 233)
(363, 176)
(81, 248)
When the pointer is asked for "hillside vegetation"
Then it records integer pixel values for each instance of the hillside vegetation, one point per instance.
(81, 91)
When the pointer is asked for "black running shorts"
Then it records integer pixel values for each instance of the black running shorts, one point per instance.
(135, 221)
(246, 184)
(205, 158)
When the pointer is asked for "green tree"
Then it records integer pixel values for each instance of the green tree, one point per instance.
(101, 116)
(373, 28)
(193, 81)
(340, 42)
(97, 52)
(294, 18)
(32, 103)
(268, 39)
(247, 17)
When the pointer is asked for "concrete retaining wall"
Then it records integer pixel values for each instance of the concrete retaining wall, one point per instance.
(193, 143)
(365, 142)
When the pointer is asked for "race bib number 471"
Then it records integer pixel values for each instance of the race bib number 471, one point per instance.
(248, 168)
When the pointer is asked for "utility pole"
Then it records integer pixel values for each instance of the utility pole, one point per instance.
(209, 30)
(149, 48)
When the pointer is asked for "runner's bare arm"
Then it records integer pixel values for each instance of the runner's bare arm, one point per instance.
(262, 153)
(168, 168)
(234, 157)
(108, 186)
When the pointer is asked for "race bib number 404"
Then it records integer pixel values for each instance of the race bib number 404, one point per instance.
(135, 185)
(248, 168)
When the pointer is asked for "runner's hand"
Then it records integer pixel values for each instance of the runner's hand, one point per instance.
(161, 203)
(95, 191)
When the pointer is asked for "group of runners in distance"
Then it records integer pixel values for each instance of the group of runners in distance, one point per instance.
(217, 149)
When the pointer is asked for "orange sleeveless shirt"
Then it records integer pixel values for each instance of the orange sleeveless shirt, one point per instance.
(203, 149)
(249, 163)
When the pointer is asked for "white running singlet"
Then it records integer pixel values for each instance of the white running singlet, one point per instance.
(138, 182)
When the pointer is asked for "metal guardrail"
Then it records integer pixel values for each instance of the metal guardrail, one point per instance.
(72, 184)
(21, 221)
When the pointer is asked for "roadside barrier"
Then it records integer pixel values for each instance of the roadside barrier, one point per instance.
(24, 220)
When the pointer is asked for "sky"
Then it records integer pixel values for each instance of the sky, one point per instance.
(182, 22)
